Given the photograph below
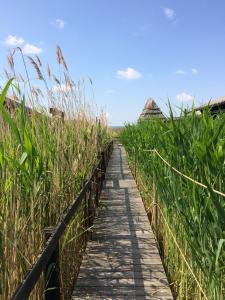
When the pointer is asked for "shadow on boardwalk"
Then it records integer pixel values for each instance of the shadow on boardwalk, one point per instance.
(122, 260)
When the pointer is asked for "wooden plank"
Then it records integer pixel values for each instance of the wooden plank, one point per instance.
(122, 259)
(132, 250)
(124, 282)
(122, 292)
(122, 228)
(122, 268)
(126, 255)
(145, 274)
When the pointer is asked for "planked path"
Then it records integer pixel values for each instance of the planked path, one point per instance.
(122, 260)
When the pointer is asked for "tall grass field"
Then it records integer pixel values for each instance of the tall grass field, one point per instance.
(44, 161)
(190, 225)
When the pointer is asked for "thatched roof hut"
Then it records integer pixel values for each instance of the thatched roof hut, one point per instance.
(12, 104)
(215, 106)
(151, 111)
(56, 113)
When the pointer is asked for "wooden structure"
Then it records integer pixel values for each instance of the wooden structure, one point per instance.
(56, 113)
(151, 111)
(121, 260)
(215, 106)
(49, 258)
(12, 105)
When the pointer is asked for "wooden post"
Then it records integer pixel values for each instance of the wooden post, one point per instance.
(52, 271)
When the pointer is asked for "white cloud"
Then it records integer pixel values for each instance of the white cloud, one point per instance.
(184, 97)
(181, 72)
(194, 71)
(31, 49)
(63, 88)
(109, 91)
(169, 13)
(60, 23)
(13, 40)
(129, 74)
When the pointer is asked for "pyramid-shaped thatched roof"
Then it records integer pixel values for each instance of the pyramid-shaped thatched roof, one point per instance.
(151, 111)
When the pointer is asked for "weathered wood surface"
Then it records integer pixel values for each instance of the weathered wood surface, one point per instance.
(122, 260)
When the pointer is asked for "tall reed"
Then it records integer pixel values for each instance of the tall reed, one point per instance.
(43, 162)
(195, 145)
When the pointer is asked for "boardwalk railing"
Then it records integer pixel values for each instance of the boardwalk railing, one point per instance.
(49, 258)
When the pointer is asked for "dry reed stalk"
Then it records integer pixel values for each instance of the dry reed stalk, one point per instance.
(41, 174)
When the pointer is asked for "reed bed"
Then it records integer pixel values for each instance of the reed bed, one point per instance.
(190, 226)
(43, 163)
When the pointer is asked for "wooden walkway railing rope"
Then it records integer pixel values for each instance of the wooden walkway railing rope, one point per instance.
(182, 174)
(157, 209)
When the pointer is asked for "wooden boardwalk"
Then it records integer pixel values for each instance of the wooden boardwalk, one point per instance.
(122, 260)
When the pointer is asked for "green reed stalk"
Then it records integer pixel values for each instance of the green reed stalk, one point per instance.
(195, 145)
(43, 163)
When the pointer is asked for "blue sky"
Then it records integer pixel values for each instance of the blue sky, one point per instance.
(132, 49)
